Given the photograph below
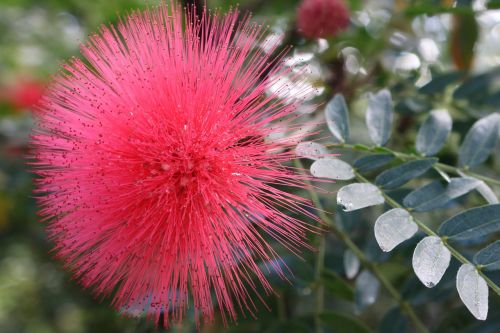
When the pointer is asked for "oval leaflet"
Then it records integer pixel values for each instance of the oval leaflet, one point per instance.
(394, 227)
(379, 117)
(311, 150)
(433, 133)
(359, 195)
(366, 290)
(351, 264)
(430, 260)
(332, 168)
(474, 222)
(400, 175)
(473, 291)
(479, 141)
(337, 117)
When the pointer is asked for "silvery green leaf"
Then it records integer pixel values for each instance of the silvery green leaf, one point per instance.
(475, 87)
(487, 193)
(440, 82)
(430, 260)
(337, 117)
(311, 150)
(473, 291)
(489, 257)
(359, 195)
(433, 133)
(372, 162)
(332, 168)
(351, 264)
(379, 117)
(436, 194)
(401, 174)
(472, 223)
(483, 189)
(366, 290)
(394, 227)
(479, 141)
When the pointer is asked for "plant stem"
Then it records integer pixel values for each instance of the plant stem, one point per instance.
(430, 232)
(281, 306)
(320, 288)
(409, 157)
(344, 237)
(319, 268)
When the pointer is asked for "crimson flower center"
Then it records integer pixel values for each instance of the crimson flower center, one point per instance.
(190, 170)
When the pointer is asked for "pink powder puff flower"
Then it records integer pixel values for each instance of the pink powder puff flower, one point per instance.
(322, 18)
(156, 175)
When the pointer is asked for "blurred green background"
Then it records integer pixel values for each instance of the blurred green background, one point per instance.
(396, 43)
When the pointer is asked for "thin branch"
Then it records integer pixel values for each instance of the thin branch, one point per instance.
(410, 157)
(320, 287)
(430, 232)
(344, 237)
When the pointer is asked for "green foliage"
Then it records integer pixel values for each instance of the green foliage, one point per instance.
(432, 254)
(398, 176)
(479, 141)
(433, 133)
(438, 194)
(472, 223)
(416, 164)
(337, 119)
(379, 117)
(394, 321)
(489, 257)
(372, 162)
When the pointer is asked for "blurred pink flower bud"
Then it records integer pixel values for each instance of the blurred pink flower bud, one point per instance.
(24, 94)
(322, 18)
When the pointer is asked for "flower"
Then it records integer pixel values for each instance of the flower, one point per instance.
(24, 94)
(156, 172)
(322, 18)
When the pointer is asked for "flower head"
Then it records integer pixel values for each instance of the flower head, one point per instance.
(322, 18)
(157, 175)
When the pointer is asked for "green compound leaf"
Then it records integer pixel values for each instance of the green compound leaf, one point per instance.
(440, 82)
(379, 117)
(337, 118)
(351, 264)
(473, 291)
(366, 290)
(400, 175)
(479, 141)
(430, 260)
(433, 133)
(332, 169)
(437, 195)
(489, 257)
(394, 227)
(311, 150)
(359, 195)
(472, 223)
(372, 162)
